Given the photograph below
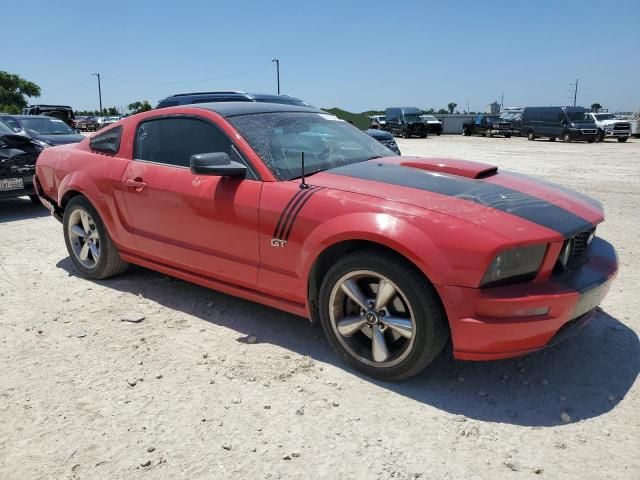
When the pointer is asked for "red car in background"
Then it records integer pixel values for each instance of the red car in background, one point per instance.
(393, 255)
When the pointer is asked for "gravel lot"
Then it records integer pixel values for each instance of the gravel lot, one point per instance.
(187, 393)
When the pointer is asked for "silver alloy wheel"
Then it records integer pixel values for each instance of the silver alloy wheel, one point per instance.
(84, 238)
(372, 318)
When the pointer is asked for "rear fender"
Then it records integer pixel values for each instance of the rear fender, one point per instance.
(391, 231)
(81, 182)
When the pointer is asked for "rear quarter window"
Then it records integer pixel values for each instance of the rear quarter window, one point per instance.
(107, 142)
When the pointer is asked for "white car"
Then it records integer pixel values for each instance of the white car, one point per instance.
(610, 127)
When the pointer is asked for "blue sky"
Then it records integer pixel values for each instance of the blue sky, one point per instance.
(357, 55)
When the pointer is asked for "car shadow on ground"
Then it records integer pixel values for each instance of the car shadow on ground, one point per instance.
(586, 376)
(21, 208)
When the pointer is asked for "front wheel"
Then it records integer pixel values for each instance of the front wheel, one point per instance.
(622, 139)
(508, 135)
(89, 245)
(406, 134)
(382, 315)
(566, 138)
(531, 137)
(35, 199)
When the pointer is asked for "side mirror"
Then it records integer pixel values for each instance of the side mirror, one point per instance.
(217, 163)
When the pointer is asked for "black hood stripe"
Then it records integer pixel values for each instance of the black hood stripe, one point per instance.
(494, 196)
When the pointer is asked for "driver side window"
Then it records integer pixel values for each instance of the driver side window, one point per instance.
(173, 140)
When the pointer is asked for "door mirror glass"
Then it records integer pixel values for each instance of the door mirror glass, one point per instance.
(216, 163)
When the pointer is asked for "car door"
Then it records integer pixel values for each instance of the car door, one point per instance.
(201, 223)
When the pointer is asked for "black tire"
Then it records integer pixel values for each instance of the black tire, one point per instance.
(600, 136)
(35, 199)
(566, 137)
(431, 327)
(622, 139)
(109, 263)
(423, 135)
(531, 137)
(508, 135)
(591, 140)
(406, 134)
(552, 139)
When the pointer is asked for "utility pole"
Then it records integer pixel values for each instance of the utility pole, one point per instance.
(99, 91)
(277, 62)
(501, 102)
(575, 92)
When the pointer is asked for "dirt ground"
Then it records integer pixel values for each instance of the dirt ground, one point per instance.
(184, 393)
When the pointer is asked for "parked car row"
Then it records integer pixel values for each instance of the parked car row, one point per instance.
(93, 124)
(407, 122)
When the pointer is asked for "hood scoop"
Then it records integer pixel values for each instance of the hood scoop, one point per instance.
(461, 168)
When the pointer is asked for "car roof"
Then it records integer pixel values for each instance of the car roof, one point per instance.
(231, 109)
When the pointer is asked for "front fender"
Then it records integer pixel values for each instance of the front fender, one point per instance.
(391, 231)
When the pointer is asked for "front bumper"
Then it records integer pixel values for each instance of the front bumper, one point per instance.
(584, 134)
(504, 322)
(617, 133)
(27, 183)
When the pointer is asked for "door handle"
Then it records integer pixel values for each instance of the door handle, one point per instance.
(138, 184)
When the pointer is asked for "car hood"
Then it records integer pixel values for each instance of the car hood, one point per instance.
(586, 125)
(379, 134)
(60, 139)
(506, 202)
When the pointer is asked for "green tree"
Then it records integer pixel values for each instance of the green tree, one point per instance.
(13, 90)
(111, 111)
(596, 107)
(137, 107)
(452, 106)
(442, 111)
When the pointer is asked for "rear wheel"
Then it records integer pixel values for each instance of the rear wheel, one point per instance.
(552, 139)
(382, 315)
(488, 134)
(622, 139)
(531, 137)
(35, 199)
(88, 242)
(566, 138)
(406, 134)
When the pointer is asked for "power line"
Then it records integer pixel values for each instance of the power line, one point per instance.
(189, 81)
(48, 92)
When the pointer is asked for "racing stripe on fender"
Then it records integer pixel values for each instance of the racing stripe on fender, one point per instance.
(481, 192)
(285, 216)
(298, 210)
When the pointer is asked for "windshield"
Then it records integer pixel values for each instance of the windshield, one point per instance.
(46, 125)
(327, 142)
(4, 128)
(429, 118)
(412, 117)
(605, 116)
(579, 117)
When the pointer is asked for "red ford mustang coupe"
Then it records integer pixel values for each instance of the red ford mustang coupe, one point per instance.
(293, 208)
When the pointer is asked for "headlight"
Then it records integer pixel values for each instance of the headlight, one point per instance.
(608, 127)
(40, 143)
(516, 265)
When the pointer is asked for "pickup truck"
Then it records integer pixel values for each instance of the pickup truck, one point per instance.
(488, 125)
(610, 127)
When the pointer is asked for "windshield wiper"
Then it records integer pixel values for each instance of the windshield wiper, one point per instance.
(375, 157)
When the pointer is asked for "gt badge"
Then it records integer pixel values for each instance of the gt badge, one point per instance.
(276, 242)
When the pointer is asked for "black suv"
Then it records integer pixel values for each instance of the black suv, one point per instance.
(61, 112)
(228, 96)
(567, 123)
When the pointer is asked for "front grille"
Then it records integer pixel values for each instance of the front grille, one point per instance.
(588, 131)
(622, 126)
(575, 250)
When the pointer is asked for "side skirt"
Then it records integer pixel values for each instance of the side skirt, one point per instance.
(207, 282)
